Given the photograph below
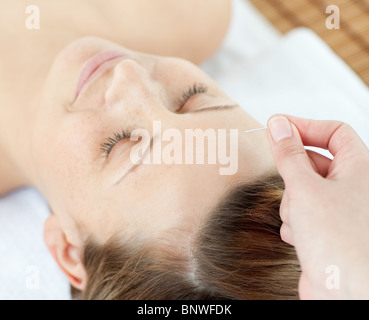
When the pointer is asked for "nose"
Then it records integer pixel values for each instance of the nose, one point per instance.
(131, 83)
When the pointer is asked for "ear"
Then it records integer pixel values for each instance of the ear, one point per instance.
(67, 256)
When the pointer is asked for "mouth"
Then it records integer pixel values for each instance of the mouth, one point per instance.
(96, 66)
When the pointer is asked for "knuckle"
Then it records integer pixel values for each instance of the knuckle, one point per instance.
(344, 129)
(344, 126)
(347, 135)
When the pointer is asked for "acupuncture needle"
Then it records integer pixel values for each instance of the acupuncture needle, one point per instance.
(242, 132)
(254, 130)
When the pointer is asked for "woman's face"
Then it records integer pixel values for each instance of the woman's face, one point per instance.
(99, 194)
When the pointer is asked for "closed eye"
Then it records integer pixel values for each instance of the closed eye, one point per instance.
(110, 142)
(195, 89)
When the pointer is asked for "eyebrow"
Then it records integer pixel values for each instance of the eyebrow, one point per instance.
(215, 108)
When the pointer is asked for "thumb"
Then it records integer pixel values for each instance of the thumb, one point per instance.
(291, 159)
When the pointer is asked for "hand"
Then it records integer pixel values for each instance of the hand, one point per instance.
(325, 207)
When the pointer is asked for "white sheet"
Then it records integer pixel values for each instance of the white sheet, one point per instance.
(27, 271)
(295, 74)
(262, 70)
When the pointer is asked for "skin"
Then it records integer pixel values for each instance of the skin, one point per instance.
(52, 142)
(325, 205)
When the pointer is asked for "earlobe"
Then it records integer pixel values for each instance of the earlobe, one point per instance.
(66, 255)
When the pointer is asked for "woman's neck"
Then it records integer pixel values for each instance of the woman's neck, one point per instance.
(10, 176)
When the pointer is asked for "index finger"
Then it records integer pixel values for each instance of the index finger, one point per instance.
(335, 136)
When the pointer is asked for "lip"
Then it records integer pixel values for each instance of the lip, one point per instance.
(93, 65)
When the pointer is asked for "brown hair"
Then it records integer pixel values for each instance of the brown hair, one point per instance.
(236, 254)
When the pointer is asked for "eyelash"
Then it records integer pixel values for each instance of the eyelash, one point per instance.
(195, 89)
(110, 142)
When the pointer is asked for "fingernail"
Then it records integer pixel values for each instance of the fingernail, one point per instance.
(279, 128)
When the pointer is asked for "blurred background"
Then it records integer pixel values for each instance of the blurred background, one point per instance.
(350, 42)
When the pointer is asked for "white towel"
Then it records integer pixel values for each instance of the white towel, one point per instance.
(262, 70)
(27, 270)
(295, 74)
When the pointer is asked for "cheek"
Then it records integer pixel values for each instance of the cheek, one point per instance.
(80, 136)
(64, 149)
(163, 198)
(164, 193)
